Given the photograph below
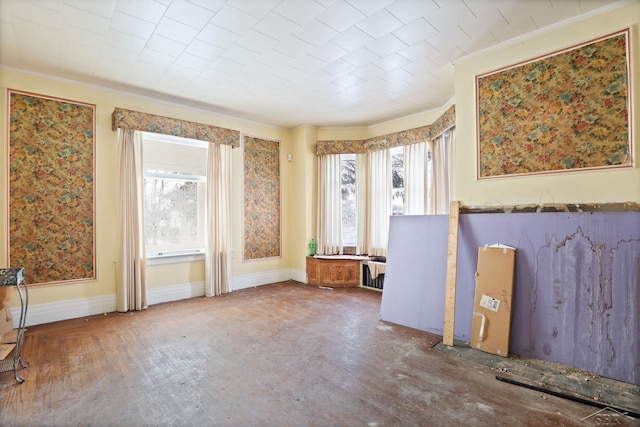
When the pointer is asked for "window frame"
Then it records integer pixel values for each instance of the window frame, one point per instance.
(182, 255)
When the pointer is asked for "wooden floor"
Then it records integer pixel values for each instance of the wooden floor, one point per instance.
(285, 354)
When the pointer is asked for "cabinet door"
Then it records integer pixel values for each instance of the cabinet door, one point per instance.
(313, 271)
(341, 274)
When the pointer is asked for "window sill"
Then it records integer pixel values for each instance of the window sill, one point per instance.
(174, 259)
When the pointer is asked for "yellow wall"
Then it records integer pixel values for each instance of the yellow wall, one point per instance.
(619, 185)
(304, 188)
(163, 275)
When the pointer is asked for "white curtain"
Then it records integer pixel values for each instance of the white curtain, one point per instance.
(379, 202)
(415, 179)
(131, 288)
(217, 261)
(362, 198)
(329, 205)
(442, 160)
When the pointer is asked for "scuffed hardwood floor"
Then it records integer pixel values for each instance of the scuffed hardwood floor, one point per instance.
(286, 354)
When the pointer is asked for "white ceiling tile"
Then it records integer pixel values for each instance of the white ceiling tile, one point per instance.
(218, 36)
(256, 41)
(9, 52)
(352, 39)
(210, 75)
(391, 62)
(558, 11)
(396, 75)
(360, 57)
(124, 41)
(518, 25)
(115, 53)
(84, 19)
(480, 7)
(70, 50)
(165, 45)
(481, 26)
(409, 10)
(82, 36)
(103, 8)
(212, 5)
(276, 60)
(417, 51)
(367, 71)
(421, 67)
(53, 5)
(156, 58)
(204, 50)
(416, 30)
(444, 41)
(144, 74)
(386, 45)
(299, 11)
(450, 12)
(176, 30)
(319, 77)
(315, 32)
(293, 47)
(255, 8)
(189, 13)
(369, 7)
(147, 10)
(514, 14)
(340, 16)
(110, 69)
(590, 5)
(375, 83)
(308, 63)
(276, 26)
(131, 25)
(379, 24)
(32, 32)
(339, 67)
(234, 20)
(32, 13)
(328, 52)
(477, 42)
(347, 80)
(326, 3)
(180, 74)
(240, 54)
(194, 62)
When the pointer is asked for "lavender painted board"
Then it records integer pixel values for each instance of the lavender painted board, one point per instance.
(415, 274)
(576, 291)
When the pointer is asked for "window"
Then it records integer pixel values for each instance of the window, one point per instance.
(397, 176)
(349, 200)
(175, 176)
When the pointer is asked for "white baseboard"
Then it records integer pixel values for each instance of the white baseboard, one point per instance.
(175, 292)
(258, 279)
(64, 310)
(81, 307)
(299, 275)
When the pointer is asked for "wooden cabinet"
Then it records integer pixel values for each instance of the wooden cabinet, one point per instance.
(334, 272)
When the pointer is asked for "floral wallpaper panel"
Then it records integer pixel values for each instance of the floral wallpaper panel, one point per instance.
(51, 188)
(262, 226)
(569, 111)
